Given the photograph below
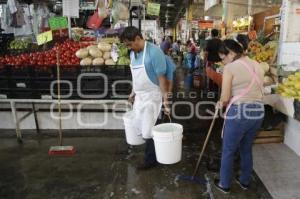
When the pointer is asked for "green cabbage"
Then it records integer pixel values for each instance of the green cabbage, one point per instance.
(123, 61)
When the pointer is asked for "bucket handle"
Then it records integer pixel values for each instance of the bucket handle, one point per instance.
(173, 129)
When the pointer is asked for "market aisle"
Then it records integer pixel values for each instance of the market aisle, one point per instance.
(104, 166)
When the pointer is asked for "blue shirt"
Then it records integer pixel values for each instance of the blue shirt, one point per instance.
(155, 62)
(171, 66)
(165, 45)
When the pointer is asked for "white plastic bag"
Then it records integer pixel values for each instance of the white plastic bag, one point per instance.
(102, 9)
(119, 12)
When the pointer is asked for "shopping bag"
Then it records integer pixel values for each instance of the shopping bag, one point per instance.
(94, 21)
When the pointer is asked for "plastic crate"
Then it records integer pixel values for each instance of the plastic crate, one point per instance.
(45, 72)
(26, 83)
(4, 93)
(3, 71)
(23, 94)
(35, 81)
(69, 72)
(4, 84)
(20, 72)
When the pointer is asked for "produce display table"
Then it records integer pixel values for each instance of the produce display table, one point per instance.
(282, 104)
(13, 102)
(34, 82)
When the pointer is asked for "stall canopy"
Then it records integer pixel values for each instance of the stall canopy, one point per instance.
(239, 8)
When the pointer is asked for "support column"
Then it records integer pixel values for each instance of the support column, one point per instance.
(224, 17)
(250, 4)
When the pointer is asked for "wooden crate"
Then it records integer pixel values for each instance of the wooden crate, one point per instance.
(273, 136)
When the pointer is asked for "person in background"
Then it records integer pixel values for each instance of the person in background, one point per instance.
(212, 47)
(162, 41)
(166, 45)
(150, 88)
(176, 47)
(171, 67)
(190, 56)
(191, 48)
(242, 93)
(207, 36)
(244, 40)
(202, 41)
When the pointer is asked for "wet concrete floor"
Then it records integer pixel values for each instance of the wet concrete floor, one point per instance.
(104, 166)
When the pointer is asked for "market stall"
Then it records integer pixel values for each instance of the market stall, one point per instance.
(288, 57)
(87, 68)
(275, 45)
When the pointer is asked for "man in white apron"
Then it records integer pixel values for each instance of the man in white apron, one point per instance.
(150, 85)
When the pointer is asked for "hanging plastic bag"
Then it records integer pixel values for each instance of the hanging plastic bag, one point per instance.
(102, 12)
(94, 21)
(102, 8)
(18, 19)
(119, 12)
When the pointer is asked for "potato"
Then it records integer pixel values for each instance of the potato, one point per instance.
(92, 46)
(86, 61)
(98, 61)
(82, 53)
(106, 55)
(104, 47)
(95, 52)
(109, 62)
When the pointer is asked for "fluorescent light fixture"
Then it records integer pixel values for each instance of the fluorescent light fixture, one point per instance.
(170, 5)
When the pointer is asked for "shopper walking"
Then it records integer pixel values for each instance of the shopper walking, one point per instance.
(176, 47)
(212, 47)
(150, 86)
(190, 56)
(202, 41)
(166, 45)
(242, 94)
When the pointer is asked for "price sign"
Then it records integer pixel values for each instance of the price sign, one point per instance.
(153, 9)
(56, 23)
(44, 37)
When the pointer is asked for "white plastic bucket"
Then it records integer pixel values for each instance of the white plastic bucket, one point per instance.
(131, 133)
(168, 142)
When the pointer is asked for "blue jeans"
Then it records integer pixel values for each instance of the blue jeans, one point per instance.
(241, 125)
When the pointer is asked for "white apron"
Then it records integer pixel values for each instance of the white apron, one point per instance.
(148, 99)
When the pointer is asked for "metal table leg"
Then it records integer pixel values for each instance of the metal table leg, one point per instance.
(17, 123)
(35, 118)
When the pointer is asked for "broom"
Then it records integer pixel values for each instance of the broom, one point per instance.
(193, 178)
(60, 149)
